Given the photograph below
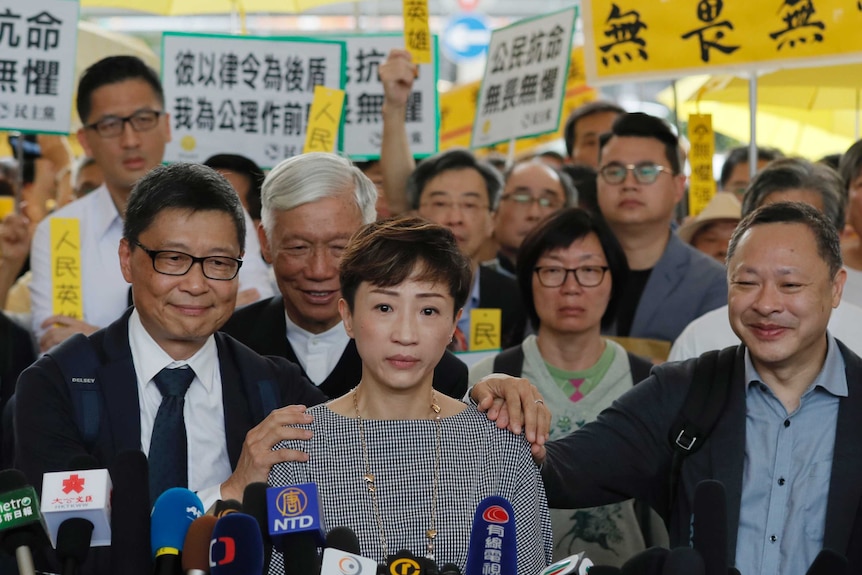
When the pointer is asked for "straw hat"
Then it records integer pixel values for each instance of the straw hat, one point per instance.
(722, 206)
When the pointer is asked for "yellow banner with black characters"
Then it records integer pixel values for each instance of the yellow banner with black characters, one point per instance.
(702, 183)
(628, 40)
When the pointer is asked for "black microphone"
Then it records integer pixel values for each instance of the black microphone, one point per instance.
(683, 561)
(342, 554)
(733, 571)
(222, 508)
(828, 562)
(254, 504)
(603, 570)
(648, 562)
(450, 569)
(22, 528)
(710, 526)
(73, 543)
(344, 539)
(130, 514)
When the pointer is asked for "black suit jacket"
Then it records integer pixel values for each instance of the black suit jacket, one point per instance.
(262, 327)
(47, 437)
(497, 291)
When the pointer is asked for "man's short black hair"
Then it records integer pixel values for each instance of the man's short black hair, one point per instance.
(112, 70)
(181, 186)
(738, 156)
(242, 165)
(447, 161)
(640, 125)
(581, 112)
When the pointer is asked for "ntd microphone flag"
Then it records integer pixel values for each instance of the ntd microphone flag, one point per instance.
(85, 494)
(493, 548)
(295, 509)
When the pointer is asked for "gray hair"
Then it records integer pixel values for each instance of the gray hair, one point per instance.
(311, 177)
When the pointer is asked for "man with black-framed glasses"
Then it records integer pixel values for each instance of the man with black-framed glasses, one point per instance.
(640, 182)
(125, 130)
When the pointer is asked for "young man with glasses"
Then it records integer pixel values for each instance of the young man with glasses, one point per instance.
(640, 182)
(125, 130)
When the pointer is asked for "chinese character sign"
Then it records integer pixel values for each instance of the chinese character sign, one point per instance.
(37, 64)
(485, 329)
(228, 93)
(629, 40)
(525, 78)
(324, 119)
(363, 123)
(702, 184)
(417, 33)
(66, 285)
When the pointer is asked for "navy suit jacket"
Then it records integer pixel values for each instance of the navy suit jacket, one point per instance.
(262, 327)
(47, 437)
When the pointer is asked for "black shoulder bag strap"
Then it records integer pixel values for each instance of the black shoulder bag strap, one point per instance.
(510, 361)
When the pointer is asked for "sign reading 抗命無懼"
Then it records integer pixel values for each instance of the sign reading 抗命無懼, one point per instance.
(525, 78)
(226, 93)
(632, 40)
(37, 64)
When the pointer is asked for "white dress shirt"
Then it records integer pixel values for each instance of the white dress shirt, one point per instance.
(318, 353)
(208, 461)
(105, 292)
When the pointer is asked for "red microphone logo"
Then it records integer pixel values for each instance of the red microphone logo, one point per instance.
(495, 514)
(229, 551)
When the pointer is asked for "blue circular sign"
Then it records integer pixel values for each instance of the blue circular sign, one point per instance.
(466, 37)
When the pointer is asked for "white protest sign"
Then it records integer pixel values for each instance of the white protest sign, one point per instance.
(363, 123)
(243, 94)
(37, 64)
(525, 79)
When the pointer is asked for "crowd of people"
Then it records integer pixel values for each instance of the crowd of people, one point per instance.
(243, 327)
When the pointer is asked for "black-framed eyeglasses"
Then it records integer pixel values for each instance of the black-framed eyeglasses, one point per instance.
(171, 263)
(113, 126)
(644, 173)
(586, 276)
(526, 199)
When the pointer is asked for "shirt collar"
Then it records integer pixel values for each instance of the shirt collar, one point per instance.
(335, 334)
(831, 378)
(149, 358)
(105, 214)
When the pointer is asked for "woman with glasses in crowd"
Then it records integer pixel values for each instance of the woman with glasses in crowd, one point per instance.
(571, 270)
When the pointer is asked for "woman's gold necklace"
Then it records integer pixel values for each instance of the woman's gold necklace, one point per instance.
(370, 480)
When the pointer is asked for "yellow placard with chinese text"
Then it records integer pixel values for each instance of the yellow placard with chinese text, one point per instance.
(486, 331)
(628, 40)
(458, 110)
(7, 206)
(324, 119)
(702, 183)
(417, 32)
(66, 282)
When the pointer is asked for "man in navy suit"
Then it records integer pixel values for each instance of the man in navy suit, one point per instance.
(181, 250)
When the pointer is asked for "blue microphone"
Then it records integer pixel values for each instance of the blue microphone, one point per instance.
(493, 548)
(173, 513)
(236, 547)
(296, 526)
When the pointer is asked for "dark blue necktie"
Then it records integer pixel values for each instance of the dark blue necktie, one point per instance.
(168, 458)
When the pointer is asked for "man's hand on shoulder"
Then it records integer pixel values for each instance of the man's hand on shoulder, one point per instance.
(515, 404)
(258, 457)
(60, 328)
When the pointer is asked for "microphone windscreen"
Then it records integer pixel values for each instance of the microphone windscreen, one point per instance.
(604, 570)
(733, 571)
(236, 546)
(344, 539)
(254, 504)
(450, 569)
(84, 461)
(196, 549)
(406, 562)
(73, 539)
(493, 530)
(683, 561)
(27, 527)
(11, 479)
(173, 513)
(222, 508)
(130, 514)
(709, 525)
(650, 561)
(828, 562)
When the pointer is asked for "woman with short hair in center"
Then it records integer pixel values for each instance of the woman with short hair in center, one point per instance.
(401, 465)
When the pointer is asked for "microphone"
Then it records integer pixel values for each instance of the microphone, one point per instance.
(342, 554)
(84, 494)
(450, 569)
(222, 508)
(254, 504)
(828, 562)
(21, 524)
(236, 546)
(710, 526)
(575, 564)
(196, 548)
(733, 571)
(406, 562)
(684, 561)
(604, 570)
(295, 522)
(130, 514)
(493, 548)
(648, 562)
(73, 543)
(173, 513)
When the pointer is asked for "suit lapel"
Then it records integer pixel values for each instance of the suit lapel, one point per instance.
(665, 277)
(845, 486)
(119, 386)
(236, 420)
